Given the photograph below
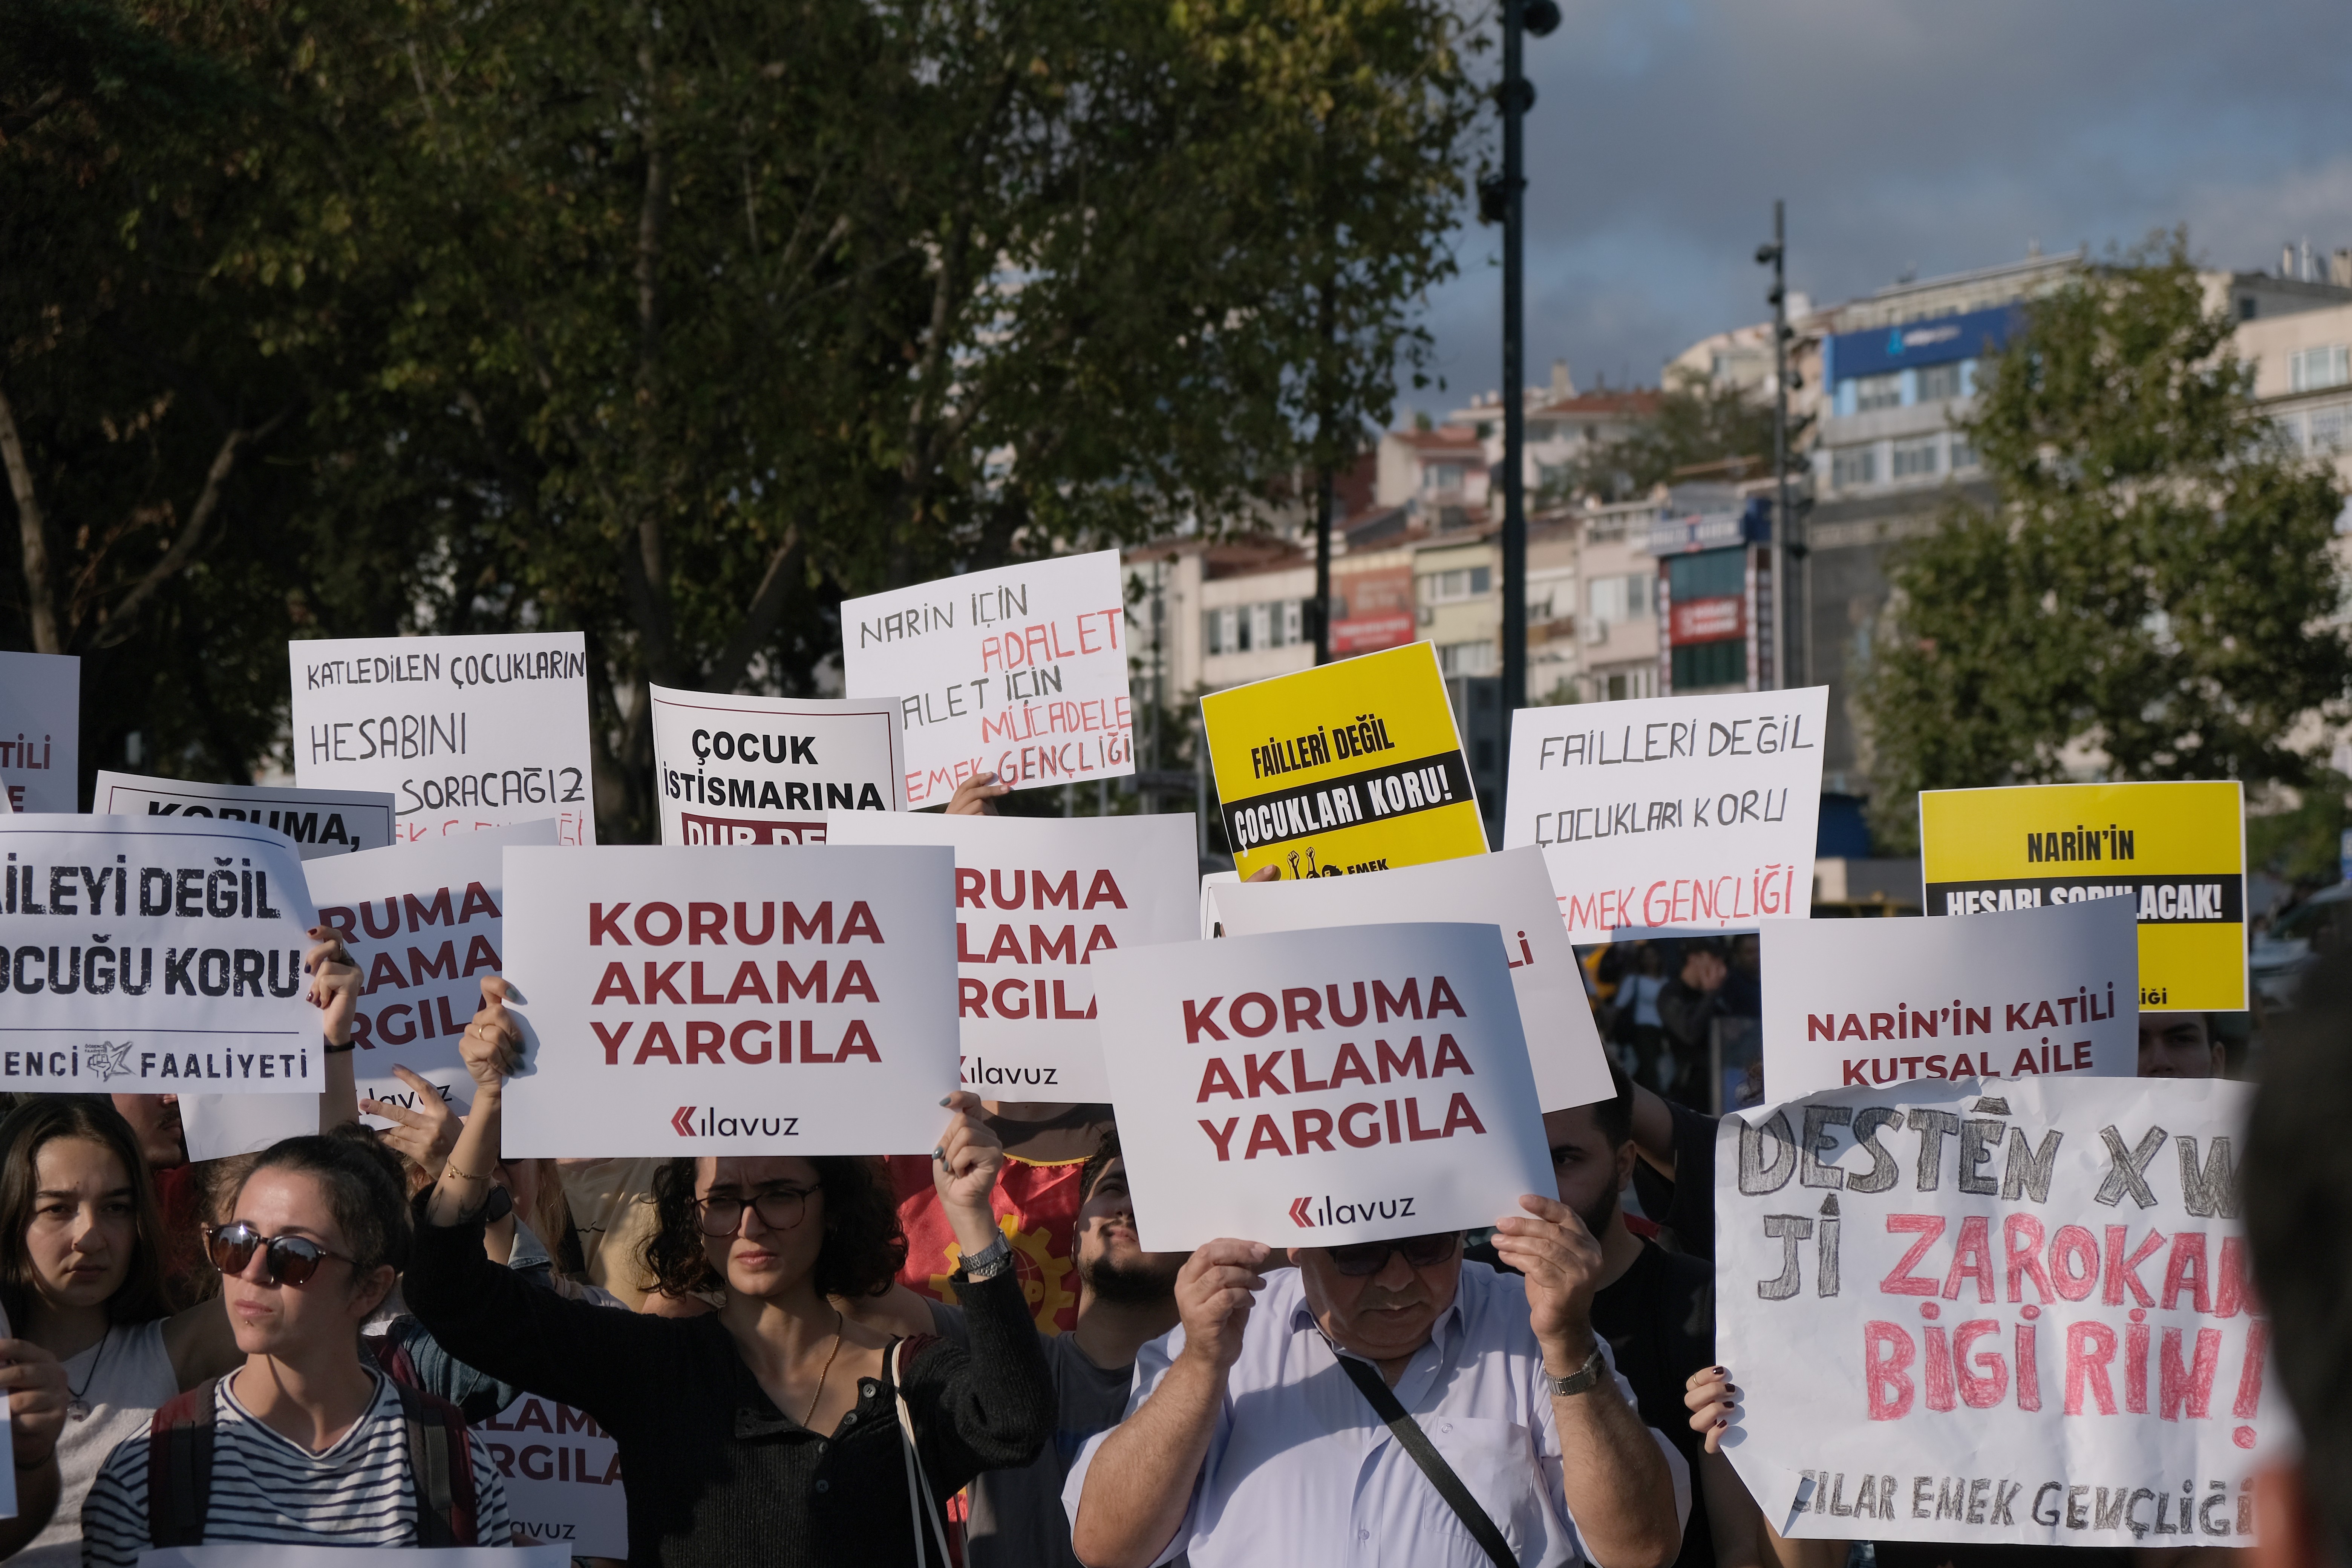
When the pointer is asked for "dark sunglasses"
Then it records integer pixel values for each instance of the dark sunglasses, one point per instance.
(285, 1259)
(1371, 1256)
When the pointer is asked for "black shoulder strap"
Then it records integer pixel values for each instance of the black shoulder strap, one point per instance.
(180, 1468)
(1432, 1464)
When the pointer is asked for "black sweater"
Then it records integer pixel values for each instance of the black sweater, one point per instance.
(717, 1476)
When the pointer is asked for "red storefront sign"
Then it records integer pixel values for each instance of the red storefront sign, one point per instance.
(1379, 610)
(1709, 620)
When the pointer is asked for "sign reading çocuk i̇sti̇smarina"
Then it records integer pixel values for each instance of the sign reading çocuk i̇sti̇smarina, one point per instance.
(1317, 1087)
(2177, 852)
(156, 956)
(465, 731)
(1038, 902)
(1510, 888)
(2014, 1313)
(1672, 812)
(1352, 766)
(424, 923)
(692, 1000)
(767, 770)
(1020, 671)
(2030, 993)
(320, 822)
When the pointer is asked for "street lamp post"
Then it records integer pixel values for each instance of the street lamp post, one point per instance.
(1790, 550)
(1517, 96)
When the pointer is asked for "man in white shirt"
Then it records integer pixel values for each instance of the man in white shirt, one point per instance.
(1246, 1441)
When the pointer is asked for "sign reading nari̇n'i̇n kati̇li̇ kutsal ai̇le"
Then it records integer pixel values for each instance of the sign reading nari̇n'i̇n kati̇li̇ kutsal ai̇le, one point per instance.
(767, 770)
(2177, 852)
(1353, 766)
(695, 1000)
(465, 731)
(1679, 813)
(154, 955)
(1020, 671)
(2008, 1313)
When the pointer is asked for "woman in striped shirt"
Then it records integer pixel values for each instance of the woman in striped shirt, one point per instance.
(310, 1443)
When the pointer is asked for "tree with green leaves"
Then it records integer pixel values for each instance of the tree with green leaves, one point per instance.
(1699, 421)
(2150, 594)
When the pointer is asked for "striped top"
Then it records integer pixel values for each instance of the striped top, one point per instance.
(268, 1489)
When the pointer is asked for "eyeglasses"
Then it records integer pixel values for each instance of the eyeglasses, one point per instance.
(285, 1259)
(780, 1208)
(1371, 1256)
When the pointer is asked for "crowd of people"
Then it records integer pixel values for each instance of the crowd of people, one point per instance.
(966, 1357)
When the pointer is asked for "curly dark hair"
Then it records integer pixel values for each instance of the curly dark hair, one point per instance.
(864, 1246)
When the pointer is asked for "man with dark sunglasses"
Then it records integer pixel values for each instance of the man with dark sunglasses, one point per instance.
(1246, 1441)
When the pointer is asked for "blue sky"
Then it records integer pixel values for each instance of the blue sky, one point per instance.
(1904, 133)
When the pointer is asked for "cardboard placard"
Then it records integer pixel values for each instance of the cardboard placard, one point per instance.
(1854, 1004)
(2175, 852)
(1509, 889)
(1352, 766)
(424, 922)
(464, 732)
(2005, 1313)
(1020, 671)
(1038, 901)
(766, 770)
(1318, 1088)
(1690, 814)
(562, 1476)
(146, 952)
(220, 1126)
(694, 1001)
(319, 822)
(40, 732)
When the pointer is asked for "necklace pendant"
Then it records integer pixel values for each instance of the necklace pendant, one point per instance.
(77, 1410)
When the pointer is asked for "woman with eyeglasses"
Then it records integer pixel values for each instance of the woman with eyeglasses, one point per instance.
(769, 1431)
(81, 1271)
(306, 1444)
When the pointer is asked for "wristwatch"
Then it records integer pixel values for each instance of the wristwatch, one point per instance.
(1577, 1382)
(989, 1261)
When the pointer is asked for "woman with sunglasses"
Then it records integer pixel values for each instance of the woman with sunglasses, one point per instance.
(769, 1431)
(309, 1444)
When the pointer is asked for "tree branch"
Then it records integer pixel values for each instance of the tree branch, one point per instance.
(759, 617)
(39, 587)
(114, 625)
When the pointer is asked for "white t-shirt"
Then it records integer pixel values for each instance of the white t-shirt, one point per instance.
(267, 1488)
(123, 1379)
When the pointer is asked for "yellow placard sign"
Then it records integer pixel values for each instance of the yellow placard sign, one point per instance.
(1353, 766)
(2177, 851)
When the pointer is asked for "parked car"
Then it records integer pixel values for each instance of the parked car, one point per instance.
(2297, 939)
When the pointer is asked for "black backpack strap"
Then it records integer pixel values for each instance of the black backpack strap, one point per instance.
(1432, 1464)
(180, 1468)
(441, 1463)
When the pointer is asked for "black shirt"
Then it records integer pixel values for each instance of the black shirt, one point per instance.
(716, 1476)
(1659, 1321)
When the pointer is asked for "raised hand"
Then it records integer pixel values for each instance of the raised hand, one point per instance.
(1214, 1291)
(1714, 1402)
(334, 984)
(422, 1134)
(1563, 1263)
(976, 797)
(34, 1382)
(963, 1170)
(493, 1043)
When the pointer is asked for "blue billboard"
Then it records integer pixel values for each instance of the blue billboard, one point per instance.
(1937, 341)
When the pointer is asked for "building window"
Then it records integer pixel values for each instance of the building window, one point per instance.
(2246, 306)
(1964, 453)
(2324, 429)
(1466, 658)
(1707, 574)
(2308, 369)
(1292, 620)
(1875, 392)
(1707, 664)
(1444, 477)
(1618, 685)
(1855, 466)
(1616, 599)
(1915, 459)
(1939, 383)
(1450, 587)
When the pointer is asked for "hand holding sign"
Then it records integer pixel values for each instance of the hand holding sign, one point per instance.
(1214, 1292)
(33, 1384)
(1563, 1264)
(963, 1170)
(334, 984)
(493, 1042)
(425, 1135)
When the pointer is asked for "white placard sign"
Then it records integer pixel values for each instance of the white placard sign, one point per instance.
(1317, 1087)
(1510, 890)
(766, 770)
(1038, 901)
(1672, 813)
(562, 1476)
(219, 1126)
(465, 731)
(320, 822)
(40, 731)
(424, 922)
(1020, 671)
(248, 1556)
(2021, 1316)
(2023, 993)
(154, 955)
(695, 1001)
